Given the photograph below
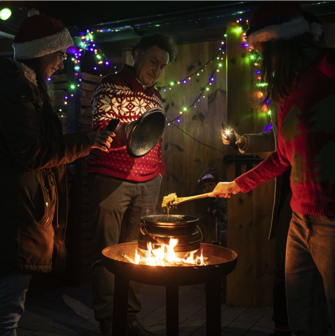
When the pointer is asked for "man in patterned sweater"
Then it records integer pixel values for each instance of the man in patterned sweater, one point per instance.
(123, 189)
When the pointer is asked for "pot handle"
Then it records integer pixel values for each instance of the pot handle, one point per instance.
(143, 230)
(202, 237)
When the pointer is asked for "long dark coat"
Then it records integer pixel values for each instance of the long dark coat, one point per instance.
(33, 152)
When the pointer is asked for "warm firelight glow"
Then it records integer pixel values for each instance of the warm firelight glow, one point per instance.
(165, 256)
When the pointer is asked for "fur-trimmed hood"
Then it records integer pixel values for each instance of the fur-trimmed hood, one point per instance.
(29, 73)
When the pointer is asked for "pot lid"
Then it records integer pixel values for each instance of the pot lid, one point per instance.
(146, 132)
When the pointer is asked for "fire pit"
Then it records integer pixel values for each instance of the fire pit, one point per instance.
(219, 261)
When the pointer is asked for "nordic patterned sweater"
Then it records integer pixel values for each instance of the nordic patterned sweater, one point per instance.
(121, 96)
(306, 142)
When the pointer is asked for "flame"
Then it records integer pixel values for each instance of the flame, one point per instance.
(165, 256)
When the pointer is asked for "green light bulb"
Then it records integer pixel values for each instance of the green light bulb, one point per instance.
(172, 83)
(5, 13)
(185, 109)
(220, 65)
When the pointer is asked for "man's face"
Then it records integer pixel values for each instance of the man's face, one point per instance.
(150, 64)
(207, 187)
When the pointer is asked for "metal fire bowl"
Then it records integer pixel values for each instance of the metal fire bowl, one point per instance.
(224, 263)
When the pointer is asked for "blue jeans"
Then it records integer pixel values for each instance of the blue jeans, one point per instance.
(117, 206)
(310, 274)
(13, 289)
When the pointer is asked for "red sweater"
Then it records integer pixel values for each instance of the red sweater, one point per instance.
(121, 96)
(306, 142)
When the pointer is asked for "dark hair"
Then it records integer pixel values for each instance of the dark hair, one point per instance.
(35, 64)
(282, 64)
(164, 42)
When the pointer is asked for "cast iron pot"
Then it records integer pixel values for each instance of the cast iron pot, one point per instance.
(158, 229)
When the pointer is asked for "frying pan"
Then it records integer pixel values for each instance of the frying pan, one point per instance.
(144, 133)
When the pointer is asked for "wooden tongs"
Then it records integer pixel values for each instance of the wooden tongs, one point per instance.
(172, 199)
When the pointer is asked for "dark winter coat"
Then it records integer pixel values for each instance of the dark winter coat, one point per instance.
(33, 152)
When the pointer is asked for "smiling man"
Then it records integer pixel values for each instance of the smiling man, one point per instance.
(123, 189)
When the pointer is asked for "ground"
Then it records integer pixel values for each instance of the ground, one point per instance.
(68, 311)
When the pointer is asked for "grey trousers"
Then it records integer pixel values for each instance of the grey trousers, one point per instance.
(13, 289)
(310, 274)
(117, 207)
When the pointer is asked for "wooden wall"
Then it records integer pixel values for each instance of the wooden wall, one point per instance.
(74, 110)
(249, 215)
(195, 143)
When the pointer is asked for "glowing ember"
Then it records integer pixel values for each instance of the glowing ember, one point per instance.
(165, 256)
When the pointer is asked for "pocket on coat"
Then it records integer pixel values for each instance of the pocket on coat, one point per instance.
(43, 207)
(45, 199)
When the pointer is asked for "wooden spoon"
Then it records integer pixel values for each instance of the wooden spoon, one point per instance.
(183, 199)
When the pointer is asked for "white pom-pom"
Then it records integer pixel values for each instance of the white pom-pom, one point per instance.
(33, 12)
(316, 30)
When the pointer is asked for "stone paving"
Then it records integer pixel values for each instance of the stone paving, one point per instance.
(67, 311)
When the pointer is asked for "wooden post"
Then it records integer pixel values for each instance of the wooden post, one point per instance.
(249, 215)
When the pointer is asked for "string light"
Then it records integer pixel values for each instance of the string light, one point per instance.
(195, 73)
(203, 89)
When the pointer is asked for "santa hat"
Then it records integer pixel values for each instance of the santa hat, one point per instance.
(40, 35)
(279, 20)
(208, 175)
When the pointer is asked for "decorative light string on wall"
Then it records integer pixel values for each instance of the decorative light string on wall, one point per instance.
(87, 44)
(258, 87)
(219, 57)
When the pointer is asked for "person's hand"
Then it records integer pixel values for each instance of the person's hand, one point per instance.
(240, 142)
(101, 139)
(225, 189)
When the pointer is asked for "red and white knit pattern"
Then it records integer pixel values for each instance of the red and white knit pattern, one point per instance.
(122, 97)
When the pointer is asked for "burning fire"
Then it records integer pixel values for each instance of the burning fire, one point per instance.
(165, 256)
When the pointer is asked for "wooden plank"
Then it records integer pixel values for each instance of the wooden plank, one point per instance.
(250, 285)
(86, 121)
(86, 128)
(85, 102)
(90, 78)
(59, 78)
(86, 112)
(60, 86)
(86, 94)
(87, 86)
(59, 96)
